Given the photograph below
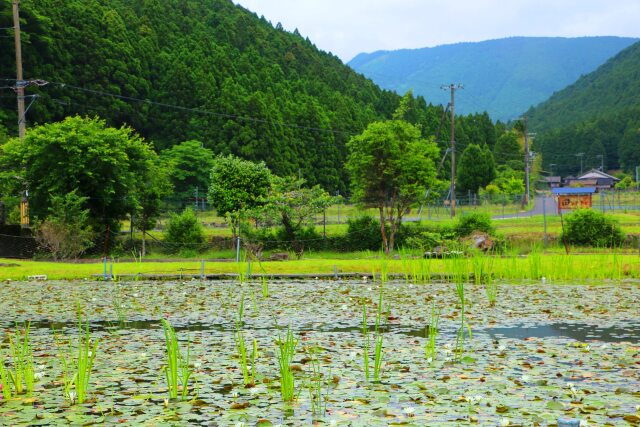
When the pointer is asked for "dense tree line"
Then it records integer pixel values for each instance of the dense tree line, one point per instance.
(246, 87)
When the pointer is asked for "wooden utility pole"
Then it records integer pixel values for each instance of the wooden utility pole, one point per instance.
(452, 87)
(19, 77)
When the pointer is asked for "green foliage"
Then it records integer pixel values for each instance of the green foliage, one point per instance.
(629, 148)
(586, 227)
(66, 232)
(612, 88)
(501, 69)
(626, 183)
(425, 241)
(363, 234)
(391, 166)
(237, 186)
(149, 198)
(261, 93)
(189, 165)
(474, 221)
(184, 232)
(596, 116)
(507, 149)
(177, 369)
(104, 165)
(476, 168)
(293, 208)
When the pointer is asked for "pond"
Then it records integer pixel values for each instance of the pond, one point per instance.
(542, 352)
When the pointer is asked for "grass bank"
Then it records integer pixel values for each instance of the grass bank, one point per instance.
(536, 266)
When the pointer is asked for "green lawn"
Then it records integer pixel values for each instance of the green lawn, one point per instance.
(551, 266)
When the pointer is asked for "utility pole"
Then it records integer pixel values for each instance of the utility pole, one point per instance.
(19, 77)
(525, 200)
(581, 155)
(452, 87)
(601, 157)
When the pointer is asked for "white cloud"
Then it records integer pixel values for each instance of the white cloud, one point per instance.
(348, 27)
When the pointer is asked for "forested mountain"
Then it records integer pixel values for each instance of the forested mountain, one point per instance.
(241, 85)
(599, 115)
(246, 87)
(503, 77)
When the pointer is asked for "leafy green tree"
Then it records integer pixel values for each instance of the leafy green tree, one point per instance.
(391, 166)
(476, 168)
(189, 166)
(184, 232)
(236, 186)
(507, 149)
(293, 207)
(66, 232)
(149, 199)
(104, 166)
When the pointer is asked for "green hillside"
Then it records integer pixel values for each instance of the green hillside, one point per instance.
(599, 115)
(503, 77)
(244, 86)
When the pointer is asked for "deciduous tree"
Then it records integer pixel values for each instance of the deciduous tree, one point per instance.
(391, 166)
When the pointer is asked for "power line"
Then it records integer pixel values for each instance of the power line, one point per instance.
(199, 110)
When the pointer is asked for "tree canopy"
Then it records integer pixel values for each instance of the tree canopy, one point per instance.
(237, 185)
(391, 166)
(476, 168)
(106, 167)
(188, 165)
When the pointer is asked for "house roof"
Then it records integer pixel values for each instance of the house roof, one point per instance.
(595, 173)
(553, 179)
(572, 190)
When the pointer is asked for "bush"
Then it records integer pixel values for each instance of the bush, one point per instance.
(363, 234)
(184, 232)
(586, 227)
(469, 223)
(424, 241)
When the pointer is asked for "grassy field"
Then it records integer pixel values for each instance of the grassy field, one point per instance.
(535, 266)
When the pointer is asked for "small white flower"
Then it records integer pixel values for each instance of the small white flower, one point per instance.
(502, 348)
(38, 375)
(583, 423)
(166, 402)
(240, 424)
(504, 422)
(409, 410)
(525, 378)
(544, 280)
(344, 307)
(234, 394)
(72, 396)
(333, 423)
(369, 288)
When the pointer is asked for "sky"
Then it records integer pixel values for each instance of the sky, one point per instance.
(349, 27)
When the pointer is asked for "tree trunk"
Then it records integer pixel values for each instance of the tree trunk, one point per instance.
(383, 232)
(143, 252)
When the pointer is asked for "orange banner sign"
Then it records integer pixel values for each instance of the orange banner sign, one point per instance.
(574, 201)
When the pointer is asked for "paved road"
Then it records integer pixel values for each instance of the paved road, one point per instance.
(539, 205)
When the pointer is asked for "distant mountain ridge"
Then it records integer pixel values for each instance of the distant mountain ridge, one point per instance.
(598, 116)
(503, 77)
